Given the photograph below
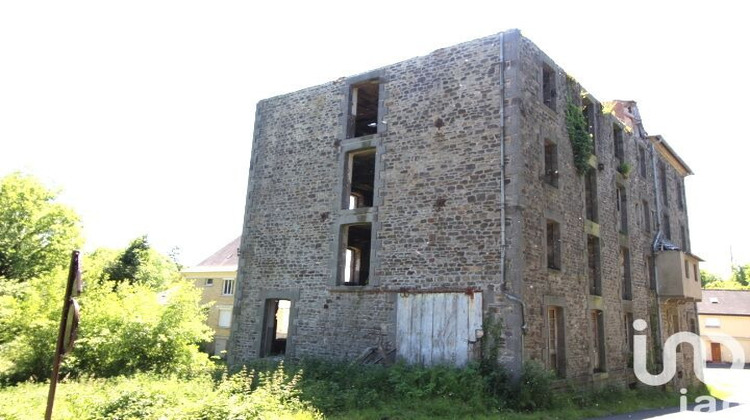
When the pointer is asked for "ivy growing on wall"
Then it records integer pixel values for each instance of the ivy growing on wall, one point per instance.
(579, 136)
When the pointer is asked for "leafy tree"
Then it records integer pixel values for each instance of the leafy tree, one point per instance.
(738, 280)
(134, 328)
(137, 329)
(37, 234)
(29, 321)
(140, 264)
(740, 274)
(709, 278)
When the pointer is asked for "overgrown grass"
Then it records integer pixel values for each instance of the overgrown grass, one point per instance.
(313, 389)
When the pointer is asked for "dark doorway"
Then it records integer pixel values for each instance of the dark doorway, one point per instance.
(275, 327)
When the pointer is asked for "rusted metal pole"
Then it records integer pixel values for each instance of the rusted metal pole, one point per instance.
(73, 275)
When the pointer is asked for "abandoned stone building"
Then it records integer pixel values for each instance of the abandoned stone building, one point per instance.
(423, 208)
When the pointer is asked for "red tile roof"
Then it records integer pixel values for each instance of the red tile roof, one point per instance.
(725, 302)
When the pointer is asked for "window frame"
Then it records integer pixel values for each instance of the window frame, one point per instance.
(553, 244)
(230, 285)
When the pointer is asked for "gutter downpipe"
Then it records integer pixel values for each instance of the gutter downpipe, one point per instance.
(503, 243)
(653, 248)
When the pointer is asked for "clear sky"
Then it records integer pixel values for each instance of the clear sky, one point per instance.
(142, 111)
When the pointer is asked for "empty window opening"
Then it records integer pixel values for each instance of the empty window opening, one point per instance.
(619, 143)
(209, 282)
(355, 267)
(629, 332)
(551, 173)
(642, 161)
(589, 114)
(597, 341)
(649, 267)
(687, 269)
(637, 213)
(555, 341)
(696, 274)
(680, 195)
(594, 265)
(553, 245)
(549, 91)
(364, 109)
(627, 287)
(275, 327)
(228, 287)
(360, 179)
(622, 210)
(683, 239)
(663, 181)
(590, 197)
(646, 217)
(675, 328)
(665, 226)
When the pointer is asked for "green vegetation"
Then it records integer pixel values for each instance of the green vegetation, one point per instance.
(132, 329)
(579, 136)
(624, 168)
(245, 395)
(136, 356)
(37, 234)
(313, 389)
(738, 279)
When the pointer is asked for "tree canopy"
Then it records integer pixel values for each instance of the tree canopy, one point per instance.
(738, 280)
(37, 233)
(136, 264)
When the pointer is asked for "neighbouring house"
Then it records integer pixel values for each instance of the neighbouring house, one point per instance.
(724, 312)
(216, 278)
(428, 206)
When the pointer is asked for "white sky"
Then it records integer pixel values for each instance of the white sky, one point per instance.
(142, 111)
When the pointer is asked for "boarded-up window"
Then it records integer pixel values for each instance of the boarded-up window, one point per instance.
(225, 317)
(438, 328)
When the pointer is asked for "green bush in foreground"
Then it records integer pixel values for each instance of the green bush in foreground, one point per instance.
(312, 388)
(133, 329)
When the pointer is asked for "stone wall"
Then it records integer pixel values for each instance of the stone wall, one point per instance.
(444, 121)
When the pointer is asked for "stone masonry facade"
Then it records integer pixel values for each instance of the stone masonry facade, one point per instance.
(452, 175)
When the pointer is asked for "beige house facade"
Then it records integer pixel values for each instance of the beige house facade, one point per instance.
(216, 277)
(724, 312)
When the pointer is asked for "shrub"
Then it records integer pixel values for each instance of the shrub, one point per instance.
(123, 332)
(135, 329)
(28, 329)
(579, 136)
(534, 390)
